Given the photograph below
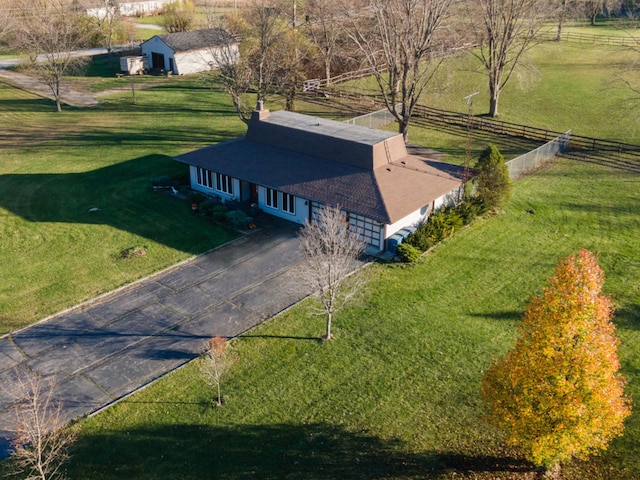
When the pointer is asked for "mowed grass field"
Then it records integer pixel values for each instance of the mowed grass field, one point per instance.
(559, 86)
(396, 394)
(55, 168)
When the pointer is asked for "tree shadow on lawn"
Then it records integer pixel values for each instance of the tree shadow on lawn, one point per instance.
(628, 317)
(511, 316)
(123, 196)
(281, 337)
(27, 105)
(316, 451)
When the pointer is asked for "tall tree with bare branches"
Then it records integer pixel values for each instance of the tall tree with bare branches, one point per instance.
(48, 32)
(400, 41)
(6, 23)
(505, 30)
(108, 26)
(41, 443)
(324, 27)
(270, 58)
(330, 252)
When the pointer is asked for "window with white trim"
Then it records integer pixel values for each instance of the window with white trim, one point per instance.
(288, 203)
(224, 183)
(272, 198)
(204, 177)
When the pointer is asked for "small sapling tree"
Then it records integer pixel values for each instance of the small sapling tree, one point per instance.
(493, 184)
(559, 393)
(330, 252)
(40, 444)
(216, 362)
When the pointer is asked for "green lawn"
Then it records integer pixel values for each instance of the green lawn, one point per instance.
(143, 34)
(396, 394)
(55, 167)
(561, 86)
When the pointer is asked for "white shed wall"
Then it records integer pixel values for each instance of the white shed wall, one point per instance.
(193, 61)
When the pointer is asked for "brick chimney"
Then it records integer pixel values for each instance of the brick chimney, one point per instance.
(260, 113)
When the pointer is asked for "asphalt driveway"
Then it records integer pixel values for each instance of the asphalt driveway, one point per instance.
(108, 348)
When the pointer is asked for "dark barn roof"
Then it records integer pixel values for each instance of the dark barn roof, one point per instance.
(197, 39)
(292, 154)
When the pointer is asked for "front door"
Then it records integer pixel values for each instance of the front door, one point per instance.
(254, 193)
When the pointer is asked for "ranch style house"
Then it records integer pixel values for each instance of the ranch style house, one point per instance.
(290, 165)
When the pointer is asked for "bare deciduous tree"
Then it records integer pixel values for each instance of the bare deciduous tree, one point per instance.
(6, 23)
(41, 443)
(47, 32)
(211, 16)
(592, 8)
(505, 30)
(217, 360)
(630, 73)
(108, 26)
(324, 25)
(234, 73)
(400, 42)
(330, 252)
(270, 57)
(266, 29)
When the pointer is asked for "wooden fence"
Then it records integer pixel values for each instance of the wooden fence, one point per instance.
(623, 41)
(523, 131)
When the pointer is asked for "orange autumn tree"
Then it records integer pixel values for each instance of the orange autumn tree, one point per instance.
(559, 393)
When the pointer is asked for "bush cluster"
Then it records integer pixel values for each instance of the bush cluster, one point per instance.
(492, 192)
(444, 223)
(408, 253)
(212, 207)
(238, 219)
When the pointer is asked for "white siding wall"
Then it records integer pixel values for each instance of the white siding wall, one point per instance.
(193, 177)
(301, 207)
(450, 199)
(413, 220)
(193, 62)
(134, 8)
(199, 60)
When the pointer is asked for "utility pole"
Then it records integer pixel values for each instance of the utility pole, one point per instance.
(467, 154)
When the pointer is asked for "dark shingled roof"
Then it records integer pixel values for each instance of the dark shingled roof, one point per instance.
(386, 194)
(197, 39)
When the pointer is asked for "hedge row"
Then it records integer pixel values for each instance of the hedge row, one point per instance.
(441, 224)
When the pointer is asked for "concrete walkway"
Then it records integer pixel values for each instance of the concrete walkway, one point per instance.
(102, 351)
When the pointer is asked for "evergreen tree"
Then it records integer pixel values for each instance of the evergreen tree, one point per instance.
(493, 184)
